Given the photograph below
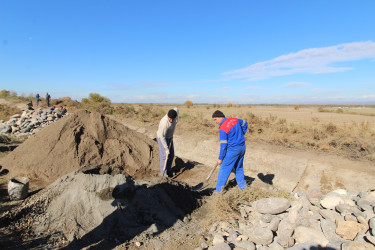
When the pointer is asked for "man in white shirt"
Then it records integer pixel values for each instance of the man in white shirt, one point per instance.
(164, 136)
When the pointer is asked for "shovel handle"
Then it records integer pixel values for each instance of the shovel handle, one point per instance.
(212, 171)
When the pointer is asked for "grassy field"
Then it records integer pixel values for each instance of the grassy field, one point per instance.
(347, 134)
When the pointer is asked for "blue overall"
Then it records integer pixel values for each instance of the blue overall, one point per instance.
(232, 151)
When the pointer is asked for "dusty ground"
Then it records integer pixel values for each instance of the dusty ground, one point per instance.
(146, 200)
(286, 168)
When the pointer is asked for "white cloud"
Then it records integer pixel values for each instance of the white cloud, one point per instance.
(294, 84)
(368, 97)
(192, 96)
(253, 88)
(312, 61)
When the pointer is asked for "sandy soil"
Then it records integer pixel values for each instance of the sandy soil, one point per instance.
(84, 155)
(285, 168)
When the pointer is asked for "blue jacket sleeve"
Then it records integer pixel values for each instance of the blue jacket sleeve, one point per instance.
(223, 144)
(243, 125)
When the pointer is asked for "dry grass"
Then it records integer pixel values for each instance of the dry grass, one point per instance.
(228, 204)
(7, 111)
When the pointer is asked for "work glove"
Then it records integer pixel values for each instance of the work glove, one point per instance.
(167, 151)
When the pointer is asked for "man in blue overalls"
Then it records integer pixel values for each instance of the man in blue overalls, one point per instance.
(232, 149)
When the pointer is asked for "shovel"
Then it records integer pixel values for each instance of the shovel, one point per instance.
(202, 184)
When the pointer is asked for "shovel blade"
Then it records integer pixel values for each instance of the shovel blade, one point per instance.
(198, 187)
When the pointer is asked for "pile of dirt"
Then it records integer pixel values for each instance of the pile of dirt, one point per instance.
(84, 209)
(83, 138)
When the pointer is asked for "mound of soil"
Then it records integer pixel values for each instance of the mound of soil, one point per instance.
(83, 138)
(84, 209)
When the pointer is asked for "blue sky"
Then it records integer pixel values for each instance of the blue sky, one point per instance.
(285, 52)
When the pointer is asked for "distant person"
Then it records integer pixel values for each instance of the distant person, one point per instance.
(48, 99)
(164, 136)
(30, 105)
(232, 149)
(37, 97)
(63, 110)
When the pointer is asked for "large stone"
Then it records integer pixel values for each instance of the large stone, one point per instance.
(305, 234)
(331, 215)
(272, 205)
(314, 193)
(372, 223)
(305, 245)
(285, 241)
(371, 196)
(245, 244)
(218, 239)
(339, 192)
(347, 209)
(331, 201)
(259, 235)
(362, 201)
(221, 246)
(336, 243)
(349, 229)
(371, 239)
(274, 224)
(5, 129)
(329, 229)
(356, 245)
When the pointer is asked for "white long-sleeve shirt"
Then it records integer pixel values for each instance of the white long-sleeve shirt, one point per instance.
(166, 129)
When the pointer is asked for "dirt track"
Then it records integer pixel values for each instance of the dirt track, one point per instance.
(288, 169)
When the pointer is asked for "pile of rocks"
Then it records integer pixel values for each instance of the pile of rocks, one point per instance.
(30, 122)
(337, 220)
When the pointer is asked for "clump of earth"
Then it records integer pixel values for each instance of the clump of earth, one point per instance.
(83, 139)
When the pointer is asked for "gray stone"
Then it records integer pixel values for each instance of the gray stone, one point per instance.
(259, 235)
(371, 196)
(274, 224)
(285, 241)
(345, 208)
(221, 246)
(314, 193)
(365, 207)
(304, 234)
(303, 246)
(355, 245)
(331, 201)
(272, 205)
(349, 217)
(370, 238)
(245, 244)
(5, 129)
(331, 215)
(360, 237)
(336, 243)
(329, 229)
(218, 239)
(275, 246)
(372, 223)
(341, 192)
(266, 218)
(363, 201)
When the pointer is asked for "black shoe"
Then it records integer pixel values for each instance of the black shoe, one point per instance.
(170, 174)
